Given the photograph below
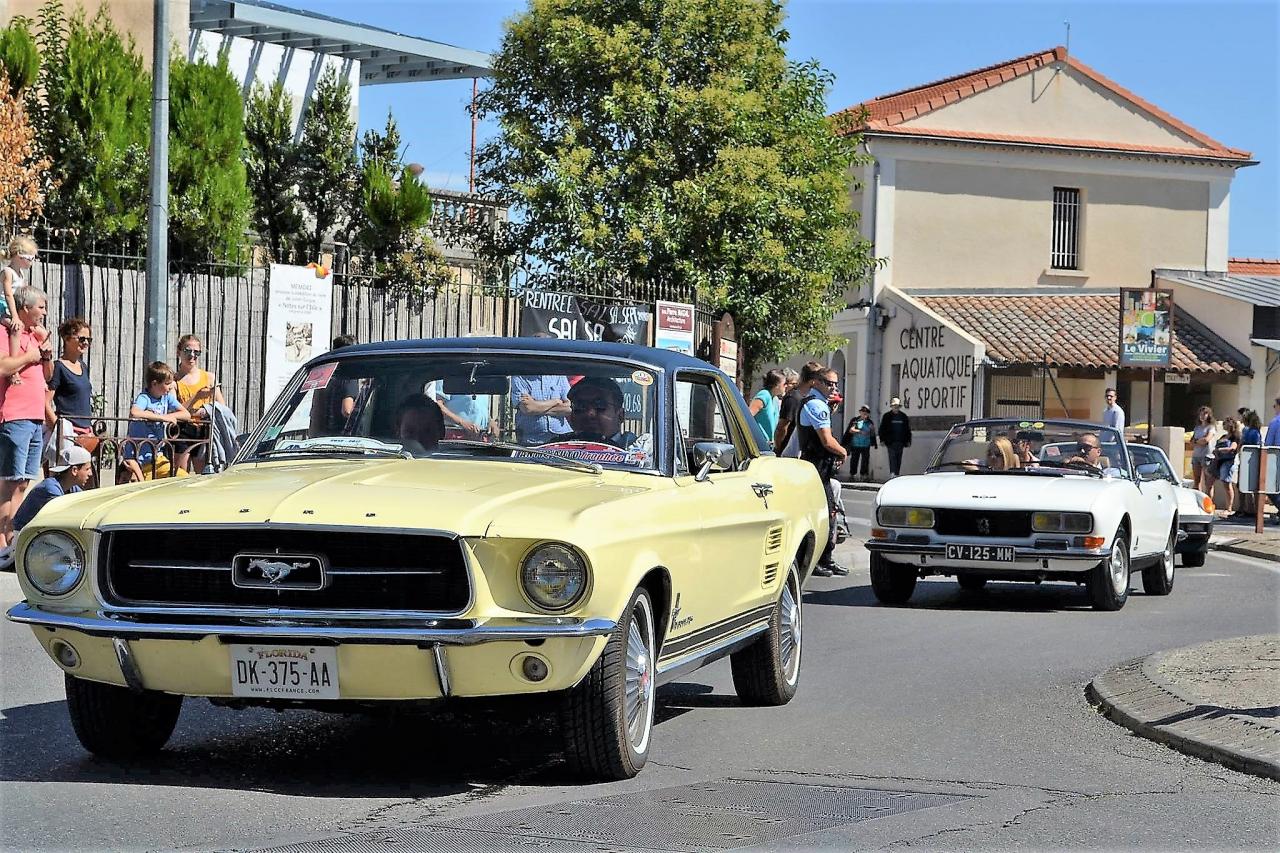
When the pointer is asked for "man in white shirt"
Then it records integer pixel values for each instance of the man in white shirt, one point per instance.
(1113, 415)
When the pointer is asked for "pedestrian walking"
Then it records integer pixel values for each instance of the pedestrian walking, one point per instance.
(22, 408)
(1225, 452)
(767, 402)
(895, 434)
(1202, 438)
(1112, 414)
(820, 448)
(858, 439)
(784, 436)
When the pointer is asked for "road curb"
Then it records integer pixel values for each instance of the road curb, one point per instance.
(1245, 549)
(1134, 696)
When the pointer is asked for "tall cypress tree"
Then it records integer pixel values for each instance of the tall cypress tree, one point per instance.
(271, 159)
(327, 161)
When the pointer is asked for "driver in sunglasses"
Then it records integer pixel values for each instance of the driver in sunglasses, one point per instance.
(595, 414)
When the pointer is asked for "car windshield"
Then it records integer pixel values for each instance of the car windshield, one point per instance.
(545, 409)
(1032, 448)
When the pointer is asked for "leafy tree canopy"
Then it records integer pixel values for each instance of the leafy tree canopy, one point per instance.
(670, 141)
(18, 55)
(327, 160)
(271, 161)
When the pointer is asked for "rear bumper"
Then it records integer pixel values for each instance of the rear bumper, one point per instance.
(1025, 559)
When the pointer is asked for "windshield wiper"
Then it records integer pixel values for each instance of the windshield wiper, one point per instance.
(547, 456)
(1084, 467)
(334, 450)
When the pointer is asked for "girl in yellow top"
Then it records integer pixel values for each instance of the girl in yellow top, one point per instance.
(197, 388)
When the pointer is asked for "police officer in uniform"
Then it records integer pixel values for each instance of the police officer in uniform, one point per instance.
(821, 449)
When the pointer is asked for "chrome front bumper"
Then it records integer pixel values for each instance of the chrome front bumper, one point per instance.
(448, 632)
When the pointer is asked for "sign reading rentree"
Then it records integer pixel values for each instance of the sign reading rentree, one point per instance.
(1146, 327)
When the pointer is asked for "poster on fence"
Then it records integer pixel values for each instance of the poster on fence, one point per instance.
(675, 327)
(299, 317)
(580, 318)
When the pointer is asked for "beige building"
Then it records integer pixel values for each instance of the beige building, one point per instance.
(1009, 205)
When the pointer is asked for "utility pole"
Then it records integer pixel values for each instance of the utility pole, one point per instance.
(155, 338)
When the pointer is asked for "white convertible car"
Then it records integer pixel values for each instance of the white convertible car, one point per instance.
(1195, 508)
(1027, 500)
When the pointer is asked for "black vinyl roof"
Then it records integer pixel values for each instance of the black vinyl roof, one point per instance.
(660, 358)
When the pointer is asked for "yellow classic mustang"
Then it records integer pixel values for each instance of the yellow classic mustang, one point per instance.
(432, 519)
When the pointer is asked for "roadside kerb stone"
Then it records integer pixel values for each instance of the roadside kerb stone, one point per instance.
(1263, 546)
(1219, 701)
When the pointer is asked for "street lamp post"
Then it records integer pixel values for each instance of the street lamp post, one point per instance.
(156, 333)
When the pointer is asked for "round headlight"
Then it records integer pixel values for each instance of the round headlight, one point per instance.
(553, 576)
(54, 563)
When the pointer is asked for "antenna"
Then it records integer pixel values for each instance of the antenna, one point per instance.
(1067, 24)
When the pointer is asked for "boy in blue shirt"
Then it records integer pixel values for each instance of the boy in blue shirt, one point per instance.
(152, 411)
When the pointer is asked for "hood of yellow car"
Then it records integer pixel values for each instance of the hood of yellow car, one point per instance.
(472, 497)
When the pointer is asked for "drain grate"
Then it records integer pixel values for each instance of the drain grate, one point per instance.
(719, 815)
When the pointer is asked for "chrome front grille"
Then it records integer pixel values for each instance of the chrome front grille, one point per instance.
(356, 570)
(977, 522)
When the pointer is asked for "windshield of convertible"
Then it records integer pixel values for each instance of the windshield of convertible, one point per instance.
(1033, 447)
(532, 408)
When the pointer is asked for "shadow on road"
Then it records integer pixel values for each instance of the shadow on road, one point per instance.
(424, 754)
(946, 594)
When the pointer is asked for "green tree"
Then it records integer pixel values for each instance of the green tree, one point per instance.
(93, 124)
(272, 165)
(670, 141)
(209, 198)
(327, 161)
(18, 55)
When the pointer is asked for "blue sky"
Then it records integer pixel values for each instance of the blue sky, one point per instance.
(1211, 64)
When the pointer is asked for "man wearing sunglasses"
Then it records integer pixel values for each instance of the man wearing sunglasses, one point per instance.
(596, 412)
(819, 447)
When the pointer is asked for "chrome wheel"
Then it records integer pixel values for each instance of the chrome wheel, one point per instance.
(789, 635)
(1120, 571)
(640, 684)
(1169, 558)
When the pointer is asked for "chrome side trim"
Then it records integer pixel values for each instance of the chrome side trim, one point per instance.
(120, 625)
(702, 657)
(442, 669)
(128, 666)
(1018, 553)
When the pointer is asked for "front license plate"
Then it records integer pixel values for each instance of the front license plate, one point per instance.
(984, 553)
(284, 672)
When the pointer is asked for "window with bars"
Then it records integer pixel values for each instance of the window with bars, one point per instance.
(1065, 254)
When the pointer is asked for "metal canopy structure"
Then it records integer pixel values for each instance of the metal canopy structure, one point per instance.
(384, 56)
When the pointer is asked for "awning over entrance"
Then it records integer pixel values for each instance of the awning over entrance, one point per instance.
(1074, 330)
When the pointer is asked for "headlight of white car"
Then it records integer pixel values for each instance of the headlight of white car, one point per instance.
(54, 563)
(553, 576)
(1061, 522)
(904, 516)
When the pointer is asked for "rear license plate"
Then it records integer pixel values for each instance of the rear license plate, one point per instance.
(284, 672)
(984, 553)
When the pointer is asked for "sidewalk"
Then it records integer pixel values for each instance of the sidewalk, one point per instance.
(1238, 537)
(1219, 701)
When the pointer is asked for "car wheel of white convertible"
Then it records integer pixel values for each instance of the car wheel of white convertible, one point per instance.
(1109, 580)
(767, 672)
(116, 722)
(608, 717)
(1158, 579)
(971, 583)
(1193, 559)
(891, 583)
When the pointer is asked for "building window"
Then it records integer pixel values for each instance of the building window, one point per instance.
(1066, 229)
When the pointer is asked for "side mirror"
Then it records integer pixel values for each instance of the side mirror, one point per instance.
(1150, 471)
(1188, 484)
(712, 456)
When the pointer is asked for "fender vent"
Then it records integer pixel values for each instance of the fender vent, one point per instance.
(773, 541)
(770, 574)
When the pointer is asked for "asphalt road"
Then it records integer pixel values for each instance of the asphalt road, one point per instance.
(959, 722)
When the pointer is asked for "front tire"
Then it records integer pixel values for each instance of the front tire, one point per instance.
(891, 583)
(1109, 580)
(608, 717)
(1158, 579)
(767, 672)
(116, 722)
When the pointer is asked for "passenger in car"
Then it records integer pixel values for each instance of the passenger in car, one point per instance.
(1000, 455)
(596, 412)
(419, 424)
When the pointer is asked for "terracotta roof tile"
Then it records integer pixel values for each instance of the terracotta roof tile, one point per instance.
(1254, 266)
(1075, 331)
(886, 113)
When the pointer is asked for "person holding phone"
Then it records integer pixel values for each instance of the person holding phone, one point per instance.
(197, 388)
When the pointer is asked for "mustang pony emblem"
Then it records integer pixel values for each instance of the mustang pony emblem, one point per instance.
(274, 571)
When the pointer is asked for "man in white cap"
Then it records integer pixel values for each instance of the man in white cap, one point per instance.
(74, 468)
(895, 434)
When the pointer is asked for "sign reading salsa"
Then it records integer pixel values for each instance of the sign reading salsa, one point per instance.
(1146, 327)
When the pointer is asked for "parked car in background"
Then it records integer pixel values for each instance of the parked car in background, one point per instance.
(1020, 500)
(1195, 508)
(348, 561)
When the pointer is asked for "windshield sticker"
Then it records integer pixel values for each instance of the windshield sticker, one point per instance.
(591, 451)
(318, 377)
(979, 433)
(642, 377)
(1038, 425)
(272, 432)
